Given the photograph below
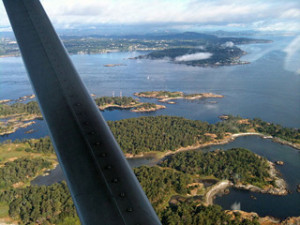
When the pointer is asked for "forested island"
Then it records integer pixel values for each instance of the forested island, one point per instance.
(166, 96)
(212, 55)
(126, 103)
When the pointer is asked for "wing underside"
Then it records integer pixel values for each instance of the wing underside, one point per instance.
(103, 187)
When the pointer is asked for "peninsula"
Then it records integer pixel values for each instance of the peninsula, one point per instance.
(178, 182)
(164, 135)
(229, 166)
(208, 55)
(166, 96)
(17, 115)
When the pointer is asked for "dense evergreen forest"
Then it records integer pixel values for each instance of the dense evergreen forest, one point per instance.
(162, 133)
(21, 170)
(219, 54)
(41, 205)
(159, 184)
(189, 213)
(160, 94)
(237, 165)
(18, 108)
(53, 204)
(146, 105)
(276, 130)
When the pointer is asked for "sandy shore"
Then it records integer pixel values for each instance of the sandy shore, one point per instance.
(217, 188)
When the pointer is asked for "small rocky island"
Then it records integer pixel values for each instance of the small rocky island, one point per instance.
(167, 96)
(15, 114)
(114, 65)
(279, 163)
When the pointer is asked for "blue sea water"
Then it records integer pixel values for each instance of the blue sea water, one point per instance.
(268, 88)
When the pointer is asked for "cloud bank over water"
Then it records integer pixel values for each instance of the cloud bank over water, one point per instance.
(229, 44)
(194, 57)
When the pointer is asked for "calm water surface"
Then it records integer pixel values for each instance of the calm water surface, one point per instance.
(268, 88)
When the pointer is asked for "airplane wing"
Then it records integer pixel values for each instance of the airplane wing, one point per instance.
(102, 184)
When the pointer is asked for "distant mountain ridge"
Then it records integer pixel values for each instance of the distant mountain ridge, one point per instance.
(178, 36)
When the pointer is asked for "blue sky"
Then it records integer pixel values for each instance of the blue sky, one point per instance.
(261, 15)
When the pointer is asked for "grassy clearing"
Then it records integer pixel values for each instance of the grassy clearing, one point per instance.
(3, 209)
(13, 151)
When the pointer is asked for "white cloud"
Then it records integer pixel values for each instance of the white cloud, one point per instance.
(229, 44)
(231, 13)
(279, 26)
(291, 13)
(193, 57)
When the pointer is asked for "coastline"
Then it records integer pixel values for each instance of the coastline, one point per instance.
(16, 127)
(155, 94)
(222, 185)
(161, 155)
(133, 107)
(23, 123)
(216, 189)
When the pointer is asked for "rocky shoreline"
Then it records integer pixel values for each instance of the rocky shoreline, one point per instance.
(266, 220)
(226, 140)
(280, 189)
(16, 122)
(220, 187)
(180, 95)
(133, 107)
(142, 109)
